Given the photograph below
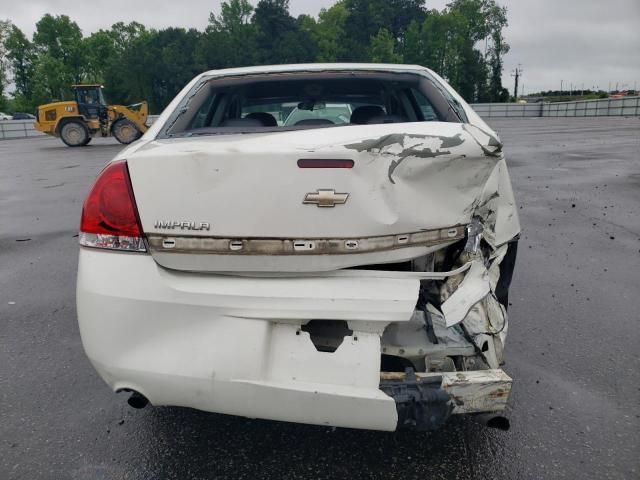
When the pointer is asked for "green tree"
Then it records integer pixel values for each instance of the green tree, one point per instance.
(21, 54)
(235, 16)
(156, 64)
(51, 80)
(58, 59)
(123, 85)
(382, 48)
(230, 38)
(280, 37)
(175, 65)
(101, 52)
(479, 21)
(463, 42)
(433, 43)
(330, 34)
(446, 41)
(5, 29)
(296, 45)
(367, 17)
(497, 21)
(61, 39)
(124, 34)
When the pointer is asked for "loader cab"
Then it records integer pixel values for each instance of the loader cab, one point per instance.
(90, 100)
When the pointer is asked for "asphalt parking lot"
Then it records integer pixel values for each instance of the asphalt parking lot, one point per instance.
(572, 349)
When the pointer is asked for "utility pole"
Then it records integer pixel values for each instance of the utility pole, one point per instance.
(561, 87)
(517, 73)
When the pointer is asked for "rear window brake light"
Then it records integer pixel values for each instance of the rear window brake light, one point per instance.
(325, 163)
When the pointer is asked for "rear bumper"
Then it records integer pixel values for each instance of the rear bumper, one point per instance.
(233, 345)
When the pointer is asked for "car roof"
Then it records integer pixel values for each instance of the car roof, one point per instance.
(315, 67)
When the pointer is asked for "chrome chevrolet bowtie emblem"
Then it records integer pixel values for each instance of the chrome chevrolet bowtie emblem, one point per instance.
(325, 198)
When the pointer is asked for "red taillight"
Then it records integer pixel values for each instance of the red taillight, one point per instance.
(109, 215)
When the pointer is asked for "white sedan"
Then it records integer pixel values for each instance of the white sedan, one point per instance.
(336, 271)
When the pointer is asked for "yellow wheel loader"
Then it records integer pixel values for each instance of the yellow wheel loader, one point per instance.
(77, 122)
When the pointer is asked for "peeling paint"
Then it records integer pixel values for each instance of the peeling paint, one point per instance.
(377, 144)
(409, 145)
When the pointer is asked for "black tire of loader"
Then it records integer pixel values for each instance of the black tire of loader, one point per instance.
(65, 130)
(120, 127)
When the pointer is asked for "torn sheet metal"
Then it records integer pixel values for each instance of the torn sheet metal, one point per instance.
(473, 288)
(470, 300)
(496, 208)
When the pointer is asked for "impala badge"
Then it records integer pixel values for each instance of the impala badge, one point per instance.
(325, 198)
(174, 225)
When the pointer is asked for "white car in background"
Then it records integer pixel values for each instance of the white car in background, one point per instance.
(350, 273)
(4, 116)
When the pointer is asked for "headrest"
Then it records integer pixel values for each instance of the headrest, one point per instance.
(266, 119)
(361, 115)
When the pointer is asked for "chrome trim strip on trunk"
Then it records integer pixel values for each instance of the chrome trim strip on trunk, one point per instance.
(309, 246)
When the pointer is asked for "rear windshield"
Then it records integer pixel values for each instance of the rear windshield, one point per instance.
(276, 102)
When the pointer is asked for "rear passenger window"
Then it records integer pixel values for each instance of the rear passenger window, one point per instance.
(428, 113)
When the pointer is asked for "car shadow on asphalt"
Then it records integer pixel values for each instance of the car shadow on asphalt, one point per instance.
(245, 448)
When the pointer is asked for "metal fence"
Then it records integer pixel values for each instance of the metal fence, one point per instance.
(628, 106)
(17, 129)
(508, 109)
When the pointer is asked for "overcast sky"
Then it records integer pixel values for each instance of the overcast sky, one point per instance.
(582, 42)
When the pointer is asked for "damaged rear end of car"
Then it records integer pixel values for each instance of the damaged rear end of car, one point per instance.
(350, 268)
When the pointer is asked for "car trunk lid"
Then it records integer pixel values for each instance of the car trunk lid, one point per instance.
(309, 200)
